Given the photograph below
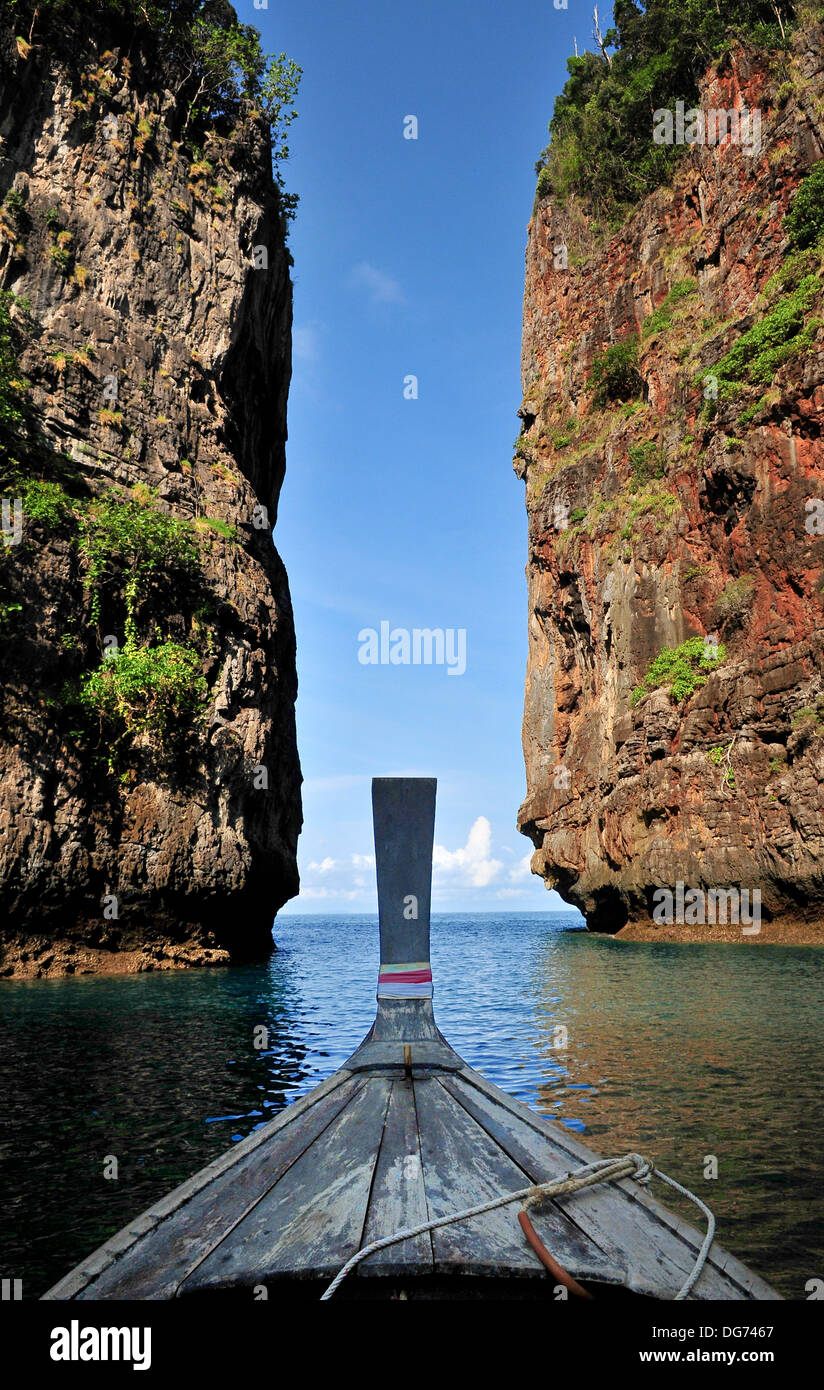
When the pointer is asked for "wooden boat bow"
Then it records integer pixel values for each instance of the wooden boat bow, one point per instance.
(403, 1134)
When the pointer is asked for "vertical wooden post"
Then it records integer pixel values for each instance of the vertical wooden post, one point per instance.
(403, 809)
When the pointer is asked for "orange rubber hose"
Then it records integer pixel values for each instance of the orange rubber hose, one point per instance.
(556, 1270)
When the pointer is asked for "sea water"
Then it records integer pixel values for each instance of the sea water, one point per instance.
(113, 1090)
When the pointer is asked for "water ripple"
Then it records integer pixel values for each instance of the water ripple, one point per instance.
(689, 1052)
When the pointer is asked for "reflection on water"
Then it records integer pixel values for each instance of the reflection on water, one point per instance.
(679, 1051)
(697, 1051)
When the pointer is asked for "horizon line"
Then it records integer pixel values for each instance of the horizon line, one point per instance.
(461, 912)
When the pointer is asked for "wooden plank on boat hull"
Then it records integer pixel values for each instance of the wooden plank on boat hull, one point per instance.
(579, 1253)
(611, 1227)
(159, 1263)
(371, 1056)
(398, 1197)
(463, 1168)
(405, 1020)
(87, 1275)
(311, 1221)
(657, 1263)
(659, 1247)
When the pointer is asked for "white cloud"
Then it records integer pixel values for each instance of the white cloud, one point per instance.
(313, 891)
(520, 872)
(347, 879)
(381, 288)
(325, 866)
(471, 875)
(473, 865)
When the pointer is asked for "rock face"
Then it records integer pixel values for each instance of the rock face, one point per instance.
(156, 353)
(670, 514)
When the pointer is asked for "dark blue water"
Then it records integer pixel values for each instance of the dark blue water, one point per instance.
(680, 1051)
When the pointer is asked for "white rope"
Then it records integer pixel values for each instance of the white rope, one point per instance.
(708, 1238)
(632, 1165)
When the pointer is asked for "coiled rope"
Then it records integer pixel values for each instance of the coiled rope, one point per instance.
(632, 1165)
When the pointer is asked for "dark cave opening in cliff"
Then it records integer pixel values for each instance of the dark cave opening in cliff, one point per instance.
(609, 912)
(729, 496)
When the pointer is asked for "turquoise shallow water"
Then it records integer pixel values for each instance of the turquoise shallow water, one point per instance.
(682, 1051)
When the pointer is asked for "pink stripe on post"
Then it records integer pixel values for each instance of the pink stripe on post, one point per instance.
(406, 976)
(405, 981)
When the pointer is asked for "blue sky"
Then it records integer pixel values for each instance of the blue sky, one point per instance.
(409, 260)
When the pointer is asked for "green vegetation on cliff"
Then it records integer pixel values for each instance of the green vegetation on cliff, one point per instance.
(735, 599)
(779, 335)
(601, 148)
(155, 690)
(614, 375)
(683, 668)
(792, 302)
(138, 561)
(214, 64)
(131, 546)
(661, 318)
(139, 564)
(805, 218)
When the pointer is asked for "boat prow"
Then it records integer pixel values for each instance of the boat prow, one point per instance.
(406, 1137)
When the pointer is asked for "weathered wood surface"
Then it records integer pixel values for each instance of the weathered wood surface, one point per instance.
(658, 1247)
(465, 1167)
(575, 1247)
(404, 1027)
(404, 1133)
(188, 1235)
(371, 1056)
(374, 1152)
(406, 1020)
(462, 1169)
(145, 1228)
(403, 811)
(313, 1219)
(398, 1199)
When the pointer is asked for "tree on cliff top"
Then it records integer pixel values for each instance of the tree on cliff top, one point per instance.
(601, 148)
(213, 63)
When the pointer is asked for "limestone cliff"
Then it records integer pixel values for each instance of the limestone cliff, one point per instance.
(681, 499)
(149, 779)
